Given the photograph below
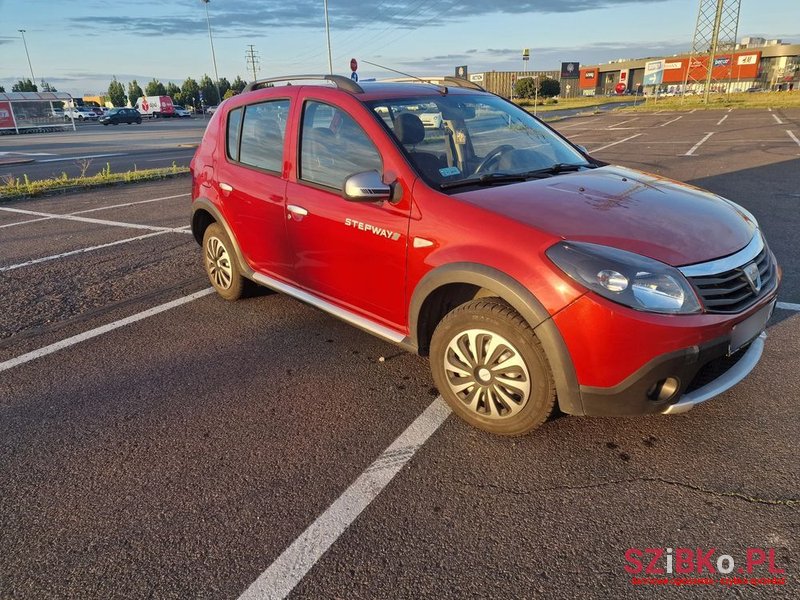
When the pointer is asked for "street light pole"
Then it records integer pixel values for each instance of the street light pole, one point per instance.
(33, 77)
(213, 56)
(328, 34)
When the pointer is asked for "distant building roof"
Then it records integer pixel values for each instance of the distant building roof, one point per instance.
(28, 96)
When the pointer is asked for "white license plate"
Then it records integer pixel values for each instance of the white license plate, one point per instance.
(744, 332)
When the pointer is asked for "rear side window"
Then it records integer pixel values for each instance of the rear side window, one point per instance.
(333, 146)
(263, 134)
(234, 130)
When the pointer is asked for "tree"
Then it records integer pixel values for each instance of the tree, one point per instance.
(224, 86)
(525, 88)
(2, 90)
(229, 94)
(155, 88)
(46, 87)
(174, 92)
(209, 91)
(190, 93)
(238, 85)
(116, 93)
(24, 85)
(549, 88)
(134, 92)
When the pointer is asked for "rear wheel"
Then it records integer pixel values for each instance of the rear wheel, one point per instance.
(220, 262)
(491, 369)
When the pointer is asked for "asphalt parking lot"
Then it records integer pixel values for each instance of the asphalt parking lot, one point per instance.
(159, 442)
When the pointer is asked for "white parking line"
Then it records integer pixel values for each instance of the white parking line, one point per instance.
(24, 222)
(777, 120)
(698, 144)
(88, 220)
(37, 261)
(793, 136)
(788, 306)
(92, 333)
(614, 143)
(672, 121)
(722, 119)
(616, 125)
(126, 204)
(292, 565)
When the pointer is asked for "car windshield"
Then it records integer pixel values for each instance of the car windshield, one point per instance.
(460, 140)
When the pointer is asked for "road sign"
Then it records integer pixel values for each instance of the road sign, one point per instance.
(654, 72)
(353, 65)
(526, 54)
(354, 76)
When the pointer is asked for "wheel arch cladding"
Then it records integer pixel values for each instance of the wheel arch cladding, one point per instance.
(451, 285)
(204, 213)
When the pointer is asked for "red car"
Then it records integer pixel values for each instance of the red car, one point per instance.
(531, 273)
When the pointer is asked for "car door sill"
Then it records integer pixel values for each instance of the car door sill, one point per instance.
(345, 315)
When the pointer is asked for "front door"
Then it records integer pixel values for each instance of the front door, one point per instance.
(350, 253)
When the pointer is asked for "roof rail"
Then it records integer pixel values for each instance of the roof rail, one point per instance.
(341, 82)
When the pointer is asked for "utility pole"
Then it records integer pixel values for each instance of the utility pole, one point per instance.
(252, 60)
(328, 34)
(33, 77)
(213, 56)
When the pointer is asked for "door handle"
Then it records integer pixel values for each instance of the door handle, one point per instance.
(296, 210)
(225, 187)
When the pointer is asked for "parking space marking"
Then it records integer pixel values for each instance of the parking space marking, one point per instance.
(92, 333)
(788, 306)
(672, 121)
(635, 135)
(37, 261)
(722, 119)
(777, 120)
(25, 222)
(126, 204)
(296, 561)
(698, 144)
(89, 220)
(616, 125)
(793, 136)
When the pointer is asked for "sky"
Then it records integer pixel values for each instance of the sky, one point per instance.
(79, 46)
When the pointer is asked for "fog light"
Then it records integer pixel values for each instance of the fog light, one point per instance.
(663, 390)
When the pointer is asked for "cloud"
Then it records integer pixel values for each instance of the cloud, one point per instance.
(237, 17)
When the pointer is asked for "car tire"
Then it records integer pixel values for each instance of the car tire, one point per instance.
(491, 369)
(220, 263)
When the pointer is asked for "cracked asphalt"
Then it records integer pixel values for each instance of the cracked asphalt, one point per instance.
(180, 455)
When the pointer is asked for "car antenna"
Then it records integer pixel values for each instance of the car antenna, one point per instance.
(442, 89)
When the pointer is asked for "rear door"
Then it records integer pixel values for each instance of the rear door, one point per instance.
(252, 183)
(351, 253)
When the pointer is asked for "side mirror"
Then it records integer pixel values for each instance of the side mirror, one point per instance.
(366, 187)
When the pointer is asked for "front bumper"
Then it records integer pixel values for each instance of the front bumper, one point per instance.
(678, 381)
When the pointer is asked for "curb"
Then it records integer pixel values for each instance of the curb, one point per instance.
(15, 161)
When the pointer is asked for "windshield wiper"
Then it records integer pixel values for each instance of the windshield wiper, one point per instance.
(554, 170)
(485, 179)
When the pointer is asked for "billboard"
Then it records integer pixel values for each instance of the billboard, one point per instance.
(461, 71)
(6, 119)
(570, 70)
(654, 72)
(476, 77)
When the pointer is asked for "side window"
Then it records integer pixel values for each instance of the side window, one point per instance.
(234, 127)
(333, 146)
(263, 135)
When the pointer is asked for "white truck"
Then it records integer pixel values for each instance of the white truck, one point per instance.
(155, 107)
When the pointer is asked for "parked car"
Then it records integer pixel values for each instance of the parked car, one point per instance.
(80, 113)
(431, 120)
(181, 112)
(116, 116)
(532, 274)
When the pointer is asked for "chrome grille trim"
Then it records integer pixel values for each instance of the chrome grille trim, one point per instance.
(734, 261)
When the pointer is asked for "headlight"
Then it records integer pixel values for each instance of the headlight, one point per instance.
(627, 278)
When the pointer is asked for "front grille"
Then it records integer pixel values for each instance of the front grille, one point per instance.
(713, 370)
(730, 292)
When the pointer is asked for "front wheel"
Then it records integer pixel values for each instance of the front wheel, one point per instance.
(491, 369)
(220, 262)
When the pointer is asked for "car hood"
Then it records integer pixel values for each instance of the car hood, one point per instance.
(627, 209)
